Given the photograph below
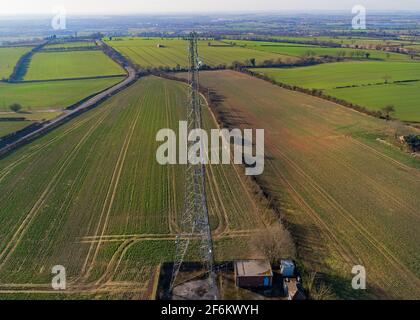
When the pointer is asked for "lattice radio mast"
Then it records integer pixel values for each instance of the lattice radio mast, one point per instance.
(195, 218)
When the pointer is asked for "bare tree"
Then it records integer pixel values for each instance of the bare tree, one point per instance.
(275, 243)
(315, 289)
(400, 129)
(322, 292)
(387, 110)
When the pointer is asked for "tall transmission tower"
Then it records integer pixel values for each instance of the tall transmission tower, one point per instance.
(195, 218)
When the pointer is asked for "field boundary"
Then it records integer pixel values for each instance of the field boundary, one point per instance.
(260, 196)
(71, 79)
(317, 93)
(40, 128)
(85, 105)
(21, 67)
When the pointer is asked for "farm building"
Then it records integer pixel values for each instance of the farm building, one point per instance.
(253, 273)
(287, 268)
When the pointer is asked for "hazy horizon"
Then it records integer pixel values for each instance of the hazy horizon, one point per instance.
(137, 7)
(180, 13)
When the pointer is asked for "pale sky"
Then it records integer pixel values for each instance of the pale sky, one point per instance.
(13, 7)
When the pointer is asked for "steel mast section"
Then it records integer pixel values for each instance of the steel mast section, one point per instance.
(195, 218)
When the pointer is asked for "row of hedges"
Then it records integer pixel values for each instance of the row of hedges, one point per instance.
(274, 40)
(316, 93)
(87, 48)
(116, 56)
(240, 65)
(22, 65)
(14, 136)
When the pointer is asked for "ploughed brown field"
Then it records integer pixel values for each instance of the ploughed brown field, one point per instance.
(349, 197)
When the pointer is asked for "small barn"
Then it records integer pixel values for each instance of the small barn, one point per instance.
(253, 273)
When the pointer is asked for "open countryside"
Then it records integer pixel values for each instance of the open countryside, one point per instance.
(81, 186)
(75, 64)
(291, 49)
(114, 225)
(50, 94)
(307, 138)
(8, 59)
(157, 52)
(372, 84)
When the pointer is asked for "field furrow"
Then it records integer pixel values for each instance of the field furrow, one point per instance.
(321, 157)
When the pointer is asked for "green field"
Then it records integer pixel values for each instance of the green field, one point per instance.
(299, 50)
(70, 45)
(8, 59)
(359, 41)
(349, 197)
(74, 64)
(404, 96)
(416, 47)
(145, 53)
(365, 42)
(7, 127)
(34, 115)
(93, 198)
(365, 82)
(340, 74)
(55, 95)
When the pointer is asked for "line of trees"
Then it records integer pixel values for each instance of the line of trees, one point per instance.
(22, 65)
(63, 49)
(384, 113)
(115, 55)
(313, 41)
(247, 63)
(307, 60)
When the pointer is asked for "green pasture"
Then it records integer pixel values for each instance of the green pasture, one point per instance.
(73, 64)
(157, 52)
(373, 84)
(55, 95)
(299, 50)
(8, 59)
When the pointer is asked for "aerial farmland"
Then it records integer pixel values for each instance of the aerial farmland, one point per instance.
(116, 230)
(373, 84)
(9, 57)
(75, 64)
(51, 80)
(308, 134)
(156, 52)
(102, 189)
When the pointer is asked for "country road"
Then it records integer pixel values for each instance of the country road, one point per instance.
(68, 114)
